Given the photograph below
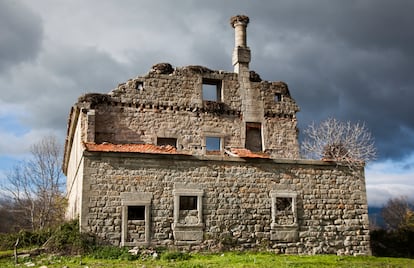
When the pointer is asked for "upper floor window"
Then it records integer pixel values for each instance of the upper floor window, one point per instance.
(254, 137)
(139, 86)
(212, 90)
(278, 97)
(213, 144)
(167, 141)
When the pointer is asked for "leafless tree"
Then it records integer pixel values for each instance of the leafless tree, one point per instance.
(339, 141)
(35, 185)
(395, 212)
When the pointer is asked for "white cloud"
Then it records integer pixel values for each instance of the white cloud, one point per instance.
(18, 146)
(389, 179)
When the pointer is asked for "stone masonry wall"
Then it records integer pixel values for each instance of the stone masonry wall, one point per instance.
(171, 106)
(237, 208)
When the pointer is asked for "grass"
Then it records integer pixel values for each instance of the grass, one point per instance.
(227, 259)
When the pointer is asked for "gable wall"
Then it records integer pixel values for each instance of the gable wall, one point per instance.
(172, 106)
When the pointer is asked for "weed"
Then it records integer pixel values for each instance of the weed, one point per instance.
(112, 253)
(175, 255)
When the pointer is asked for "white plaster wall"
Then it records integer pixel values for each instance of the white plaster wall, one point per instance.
(75, 174)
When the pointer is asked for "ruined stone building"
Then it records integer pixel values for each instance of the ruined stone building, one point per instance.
(205, 159)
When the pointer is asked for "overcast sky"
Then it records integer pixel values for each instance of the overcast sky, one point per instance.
(353, 60)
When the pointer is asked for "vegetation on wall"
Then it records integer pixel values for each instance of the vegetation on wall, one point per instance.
(333, 140)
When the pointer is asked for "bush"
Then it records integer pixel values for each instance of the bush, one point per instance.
(397, 243)
(67, 239)
(26, 238)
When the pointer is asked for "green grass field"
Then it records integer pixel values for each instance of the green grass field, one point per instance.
(227, 259)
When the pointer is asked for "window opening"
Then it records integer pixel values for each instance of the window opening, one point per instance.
(278, 97)
(284, 226)
(136, 218)
(284, 212)
(136, 213)
(139, 86)
(167, 141)
(188, 216)
(254, 137)
(213, 144)
(211, 90)
(188, 202)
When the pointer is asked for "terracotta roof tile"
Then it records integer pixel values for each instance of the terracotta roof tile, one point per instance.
(246, 153)
(154, 149)
(131, 148)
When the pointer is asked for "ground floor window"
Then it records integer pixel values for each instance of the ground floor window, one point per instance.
(136, 213)
(136, 207)
(284, 225)
(188, 215)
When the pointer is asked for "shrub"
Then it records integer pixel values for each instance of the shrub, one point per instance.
(396, 243)
(67, 239)
(26, 238)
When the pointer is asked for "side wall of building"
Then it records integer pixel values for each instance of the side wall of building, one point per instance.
(292, 206)
(74, 175)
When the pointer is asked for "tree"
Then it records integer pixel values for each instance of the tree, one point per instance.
(339, 141)
(35, 185)
(396, 213)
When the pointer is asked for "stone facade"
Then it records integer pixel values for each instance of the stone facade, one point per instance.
(192, 157)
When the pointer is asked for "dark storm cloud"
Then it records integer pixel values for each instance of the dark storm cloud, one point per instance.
(21, 34)
(68, 75)
(352, 60)
(349, 59)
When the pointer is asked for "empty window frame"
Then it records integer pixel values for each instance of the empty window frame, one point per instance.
(283, 209)
(212, 90)
(254, 137)
(136, 222)
(167, 141)
(278, 97)
(188, 206)
(136, 213)
(139, 86)
(188, 202)
(213, 144)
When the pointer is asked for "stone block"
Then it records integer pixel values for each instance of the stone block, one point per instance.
(284, 234)
(188, 235)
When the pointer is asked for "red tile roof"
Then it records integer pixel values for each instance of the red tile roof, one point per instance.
(131, 148)
(246, 153)
(167, 149)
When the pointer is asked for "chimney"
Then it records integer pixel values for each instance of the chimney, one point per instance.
(241, 52)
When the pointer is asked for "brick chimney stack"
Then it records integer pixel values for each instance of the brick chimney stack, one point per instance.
(241, 52)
